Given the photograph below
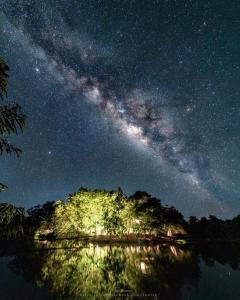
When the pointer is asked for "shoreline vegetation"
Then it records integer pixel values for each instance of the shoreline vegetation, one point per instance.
(99, 216)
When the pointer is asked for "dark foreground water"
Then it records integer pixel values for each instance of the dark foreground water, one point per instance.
(71, 270)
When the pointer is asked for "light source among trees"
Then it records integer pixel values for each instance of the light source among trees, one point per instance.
(112, 214)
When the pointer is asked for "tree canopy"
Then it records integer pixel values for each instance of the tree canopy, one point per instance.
(103, 213)
(11, 220)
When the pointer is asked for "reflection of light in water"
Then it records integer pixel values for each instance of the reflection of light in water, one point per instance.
(169, 232)
(104, 269)
(97, 250)
(143, 266)
(143, 249)
(91, 249)
(44, 242)
(173, 250)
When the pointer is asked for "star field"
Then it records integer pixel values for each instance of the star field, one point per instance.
(138, 94)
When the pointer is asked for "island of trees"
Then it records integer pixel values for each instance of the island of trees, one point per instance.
(97, 213)
(103, 215)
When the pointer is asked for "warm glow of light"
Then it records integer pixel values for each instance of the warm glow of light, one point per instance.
(173, 250)
(169, 232)
(143, 266)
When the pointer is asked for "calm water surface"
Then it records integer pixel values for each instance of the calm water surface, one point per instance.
(71, 270)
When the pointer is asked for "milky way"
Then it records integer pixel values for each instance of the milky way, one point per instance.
(138, 114)
(145, 116)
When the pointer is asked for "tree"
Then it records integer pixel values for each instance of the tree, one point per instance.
(148, 213)
(39, 215)
(12, 120)
(173, 222)
(11, 220)
(96, 212)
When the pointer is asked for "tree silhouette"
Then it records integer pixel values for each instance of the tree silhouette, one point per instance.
(12, 120)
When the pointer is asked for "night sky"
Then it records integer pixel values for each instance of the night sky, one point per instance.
(144, 95)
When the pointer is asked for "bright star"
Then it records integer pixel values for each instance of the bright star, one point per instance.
(189, 108)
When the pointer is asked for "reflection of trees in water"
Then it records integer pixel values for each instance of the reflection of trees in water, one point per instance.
(71, 269)
(94, 272)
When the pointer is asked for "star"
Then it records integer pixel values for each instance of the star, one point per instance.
(145, 103)
(189, 109)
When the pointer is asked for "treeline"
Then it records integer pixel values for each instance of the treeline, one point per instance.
(214, 228)
(110, 214)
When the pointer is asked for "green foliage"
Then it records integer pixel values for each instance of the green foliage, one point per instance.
(111, 214)
(9, 213)
(11, 220)
(40, 217)
(12, 120)
(11, 117)
(3, 78)
(88, 212)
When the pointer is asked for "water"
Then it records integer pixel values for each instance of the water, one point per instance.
(73, 270)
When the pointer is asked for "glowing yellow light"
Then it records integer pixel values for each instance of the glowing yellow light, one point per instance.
(143, 266)
(173, 250)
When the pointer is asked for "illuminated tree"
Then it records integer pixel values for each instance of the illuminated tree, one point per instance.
(129, 217)
(102, 213)
(86, 213)
(96, 210)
